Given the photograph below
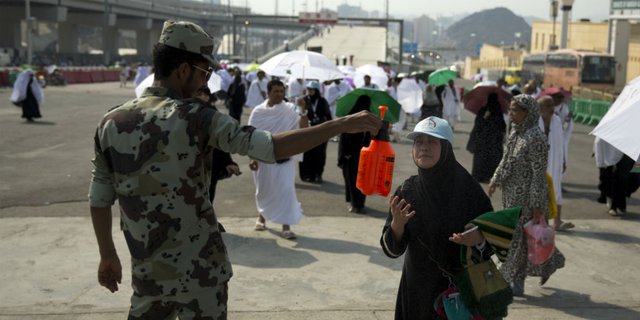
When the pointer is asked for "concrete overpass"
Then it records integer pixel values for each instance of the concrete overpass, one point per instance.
(145, 17)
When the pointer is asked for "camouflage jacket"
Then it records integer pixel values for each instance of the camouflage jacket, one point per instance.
(154, 155)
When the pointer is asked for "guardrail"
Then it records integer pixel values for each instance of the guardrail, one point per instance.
(589, 112)
(71, 75)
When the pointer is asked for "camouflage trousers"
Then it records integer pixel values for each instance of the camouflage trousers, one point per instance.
(210, 304)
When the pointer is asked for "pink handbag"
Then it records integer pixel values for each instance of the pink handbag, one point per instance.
(540, 240)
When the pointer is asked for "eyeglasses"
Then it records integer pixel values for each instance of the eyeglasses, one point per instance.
(207, 73)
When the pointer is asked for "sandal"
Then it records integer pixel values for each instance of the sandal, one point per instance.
(288, 234)
(564, 226)
(260, 226)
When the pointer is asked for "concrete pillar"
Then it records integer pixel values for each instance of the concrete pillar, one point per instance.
(144, 42)
(67, 38)
(11, 37)
(621, 32)
(110, 37)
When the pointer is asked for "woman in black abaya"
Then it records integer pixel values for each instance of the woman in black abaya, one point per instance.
(312, 165)
(349, 156)
(486, 139)
(426, 210)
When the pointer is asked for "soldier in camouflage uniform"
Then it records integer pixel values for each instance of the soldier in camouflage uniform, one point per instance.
(153, 154)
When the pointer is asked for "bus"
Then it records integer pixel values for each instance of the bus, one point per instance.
(533, 68)
(568, 68)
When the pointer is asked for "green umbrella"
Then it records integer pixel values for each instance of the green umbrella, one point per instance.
(442, 76)
(252, 67)
(378, 98)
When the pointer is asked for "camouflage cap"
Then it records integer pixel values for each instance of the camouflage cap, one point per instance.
(187, 36)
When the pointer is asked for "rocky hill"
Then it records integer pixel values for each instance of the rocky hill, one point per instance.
(494, 26)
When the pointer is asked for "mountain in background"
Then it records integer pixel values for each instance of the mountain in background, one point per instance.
(498, 26)
(493, 26)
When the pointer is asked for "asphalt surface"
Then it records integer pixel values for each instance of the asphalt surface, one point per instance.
(334, 270)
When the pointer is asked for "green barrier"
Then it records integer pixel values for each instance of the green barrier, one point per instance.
(598, 110)
(583, 110)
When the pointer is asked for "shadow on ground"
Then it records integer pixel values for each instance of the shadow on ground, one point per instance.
(579, 305)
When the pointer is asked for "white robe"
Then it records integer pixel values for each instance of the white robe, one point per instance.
(226, 79)
(451, 105)
(556, 157)
(332, 95)
(142, 73)
(276, 198)
(254, 97)
(562, 111)
(605, 154)
(295, 90)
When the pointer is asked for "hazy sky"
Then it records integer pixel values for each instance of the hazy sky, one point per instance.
(593, 9)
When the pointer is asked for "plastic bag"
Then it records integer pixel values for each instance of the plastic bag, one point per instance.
(449, 305)
(540, 240)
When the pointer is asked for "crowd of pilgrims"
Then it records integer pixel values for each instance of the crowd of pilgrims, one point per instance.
(497, 141)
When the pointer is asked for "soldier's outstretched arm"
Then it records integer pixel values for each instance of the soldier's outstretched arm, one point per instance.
(289, 143)
(109, 269)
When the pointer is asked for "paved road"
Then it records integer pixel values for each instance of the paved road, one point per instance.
(334, 271)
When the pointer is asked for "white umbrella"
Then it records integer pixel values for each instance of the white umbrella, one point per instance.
(302, 64)
(620, 126)
(347, 70)
(409, 95)
(377, 74)
(214, 84)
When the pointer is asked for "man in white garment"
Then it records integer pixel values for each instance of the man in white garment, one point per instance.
(335, 91)
(368, 84)
(562, 111)
(258, 90)
(276, 198)
(332, 94)
(396, 128)
(450, 102)
(551, 125)
(296, 89)
(226, 79)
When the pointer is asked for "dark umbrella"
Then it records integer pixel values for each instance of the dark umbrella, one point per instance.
(477, 98)
(554, 91)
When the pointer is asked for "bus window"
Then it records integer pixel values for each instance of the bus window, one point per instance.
(562, 61)
(597, 69)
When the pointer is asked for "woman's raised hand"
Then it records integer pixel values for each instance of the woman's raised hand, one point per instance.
(401, 211)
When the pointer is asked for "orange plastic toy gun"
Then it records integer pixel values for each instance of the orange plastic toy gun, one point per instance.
(375, 170)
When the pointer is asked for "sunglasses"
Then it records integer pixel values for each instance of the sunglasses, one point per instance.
(207, 73)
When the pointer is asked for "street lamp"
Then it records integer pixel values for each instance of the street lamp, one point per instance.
(553, 12)
(566, 9)
(246, 41)
(28, 31)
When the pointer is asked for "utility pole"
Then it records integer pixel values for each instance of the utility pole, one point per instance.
(27, 6)
(554, 15)
(105, 37)
(228, 35)
(386, 32)
(276, 11)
